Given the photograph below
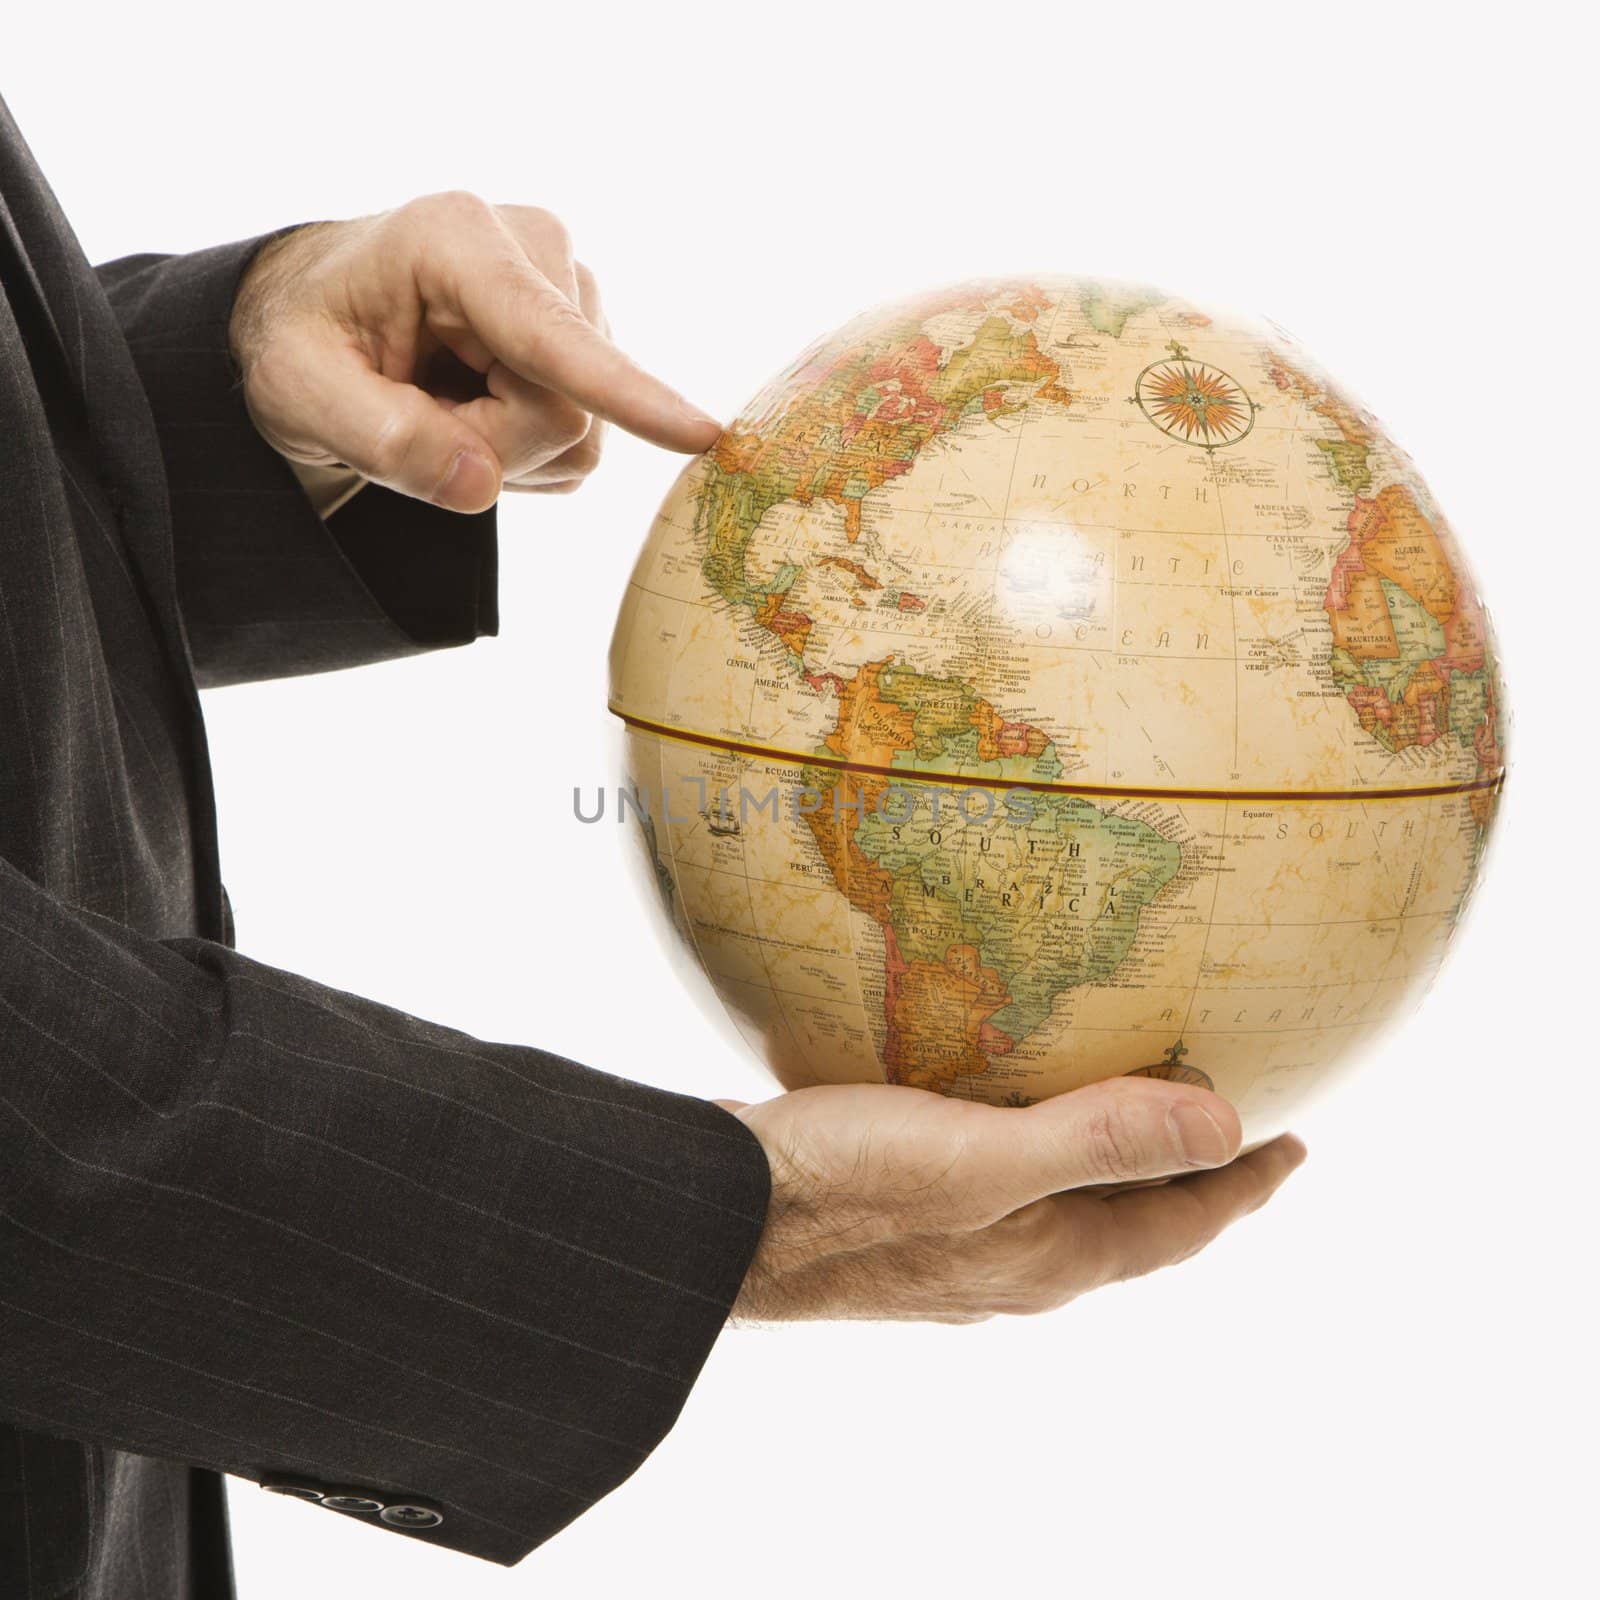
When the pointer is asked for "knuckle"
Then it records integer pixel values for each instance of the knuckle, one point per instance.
(1191, 1245)
(1178, 1248)
(1184, 1234)
(1026, 1273)
(392, 448)
(1035, 1293)
(585, 456)
(1111, 1145)
(568, 428)
(555, 315)
(541, 234)
(270, 379)
(455, 205)
(277, 392)
(1098, 1260)
(546, 223)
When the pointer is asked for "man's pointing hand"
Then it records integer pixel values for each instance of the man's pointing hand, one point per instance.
(447, 350)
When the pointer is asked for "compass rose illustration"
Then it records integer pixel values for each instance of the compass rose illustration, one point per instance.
(1192, 401)
(1173, 1069)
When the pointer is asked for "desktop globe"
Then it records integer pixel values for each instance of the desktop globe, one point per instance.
(1045, 680)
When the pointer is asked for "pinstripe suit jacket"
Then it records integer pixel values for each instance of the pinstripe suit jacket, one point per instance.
(250, 1224)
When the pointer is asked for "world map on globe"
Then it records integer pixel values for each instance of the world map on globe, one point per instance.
(1044, 680)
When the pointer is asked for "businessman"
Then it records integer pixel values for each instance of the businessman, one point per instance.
(249, 1224)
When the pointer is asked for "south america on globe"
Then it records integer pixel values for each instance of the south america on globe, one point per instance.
(1045, 680)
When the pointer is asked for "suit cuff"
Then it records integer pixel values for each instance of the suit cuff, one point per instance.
(268, 589)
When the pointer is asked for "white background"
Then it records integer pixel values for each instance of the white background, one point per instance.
(1382, 1384)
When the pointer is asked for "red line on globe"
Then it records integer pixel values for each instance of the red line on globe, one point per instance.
(1110, 791)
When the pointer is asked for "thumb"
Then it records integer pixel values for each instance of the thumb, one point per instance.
(390, 432)
(1122, 1130)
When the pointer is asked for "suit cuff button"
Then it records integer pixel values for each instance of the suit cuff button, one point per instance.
(413, 1517)
(295, 1488)
(343, 1500)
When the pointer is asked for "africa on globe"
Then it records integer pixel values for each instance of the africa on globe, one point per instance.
(1045, 680)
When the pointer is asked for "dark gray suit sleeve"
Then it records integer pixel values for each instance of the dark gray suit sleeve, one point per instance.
(256, 1224)
(267, 589)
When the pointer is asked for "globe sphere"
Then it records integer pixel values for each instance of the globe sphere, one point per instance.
(1044, 680)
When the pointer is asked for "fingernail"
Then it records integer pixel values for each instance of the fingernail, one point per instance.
(1198, 1135)
(469, 485)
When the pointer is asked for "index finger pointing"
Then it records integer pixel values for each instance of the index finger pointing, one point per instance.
(542, 336)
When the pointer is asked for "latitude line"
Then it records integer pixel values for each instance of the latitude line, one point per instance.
(1043, 786)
